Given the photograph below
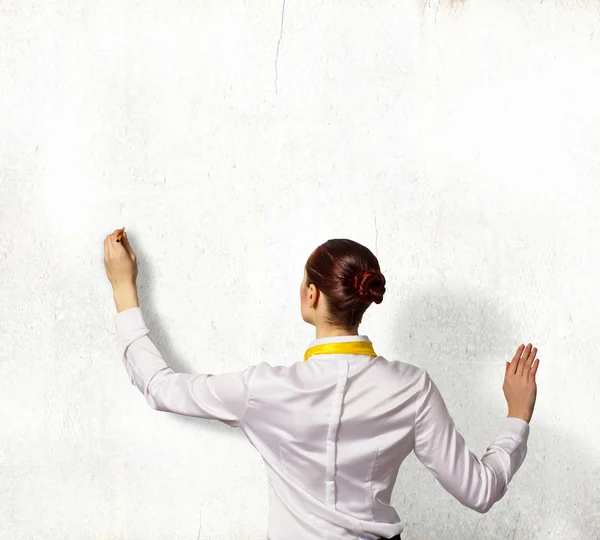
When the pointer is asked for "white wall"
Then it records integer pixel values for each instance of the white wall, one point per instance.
(459, 142)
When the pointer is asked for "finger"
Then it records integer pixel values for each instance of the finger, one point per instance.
(515, 360)
(113, 235)
(112, 239)
(534, 369)
(127, 246)
(521, 363)
(529, 360)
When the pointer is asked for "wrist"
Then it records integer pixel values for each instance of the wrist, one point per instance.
(526, 417)
(125, 297)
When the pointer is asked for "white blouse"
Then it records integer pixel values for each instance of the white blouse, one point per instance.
(333, 432)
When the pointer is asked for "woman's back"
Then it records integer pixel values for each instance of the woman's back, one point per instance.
(334, 430)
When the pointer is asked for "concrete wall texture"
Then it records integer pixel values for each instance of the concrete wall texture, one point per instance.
(458, 141)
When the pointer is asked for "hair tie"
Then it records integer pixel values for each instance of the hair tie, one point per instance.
(362, 282)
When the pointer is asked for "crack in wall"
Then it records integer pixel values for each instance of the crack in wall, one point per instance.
(376, 232)
(278, 42)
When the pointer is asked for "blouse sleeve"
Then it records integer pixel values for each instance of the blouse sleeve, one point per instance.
(222, 397)
(477, 483)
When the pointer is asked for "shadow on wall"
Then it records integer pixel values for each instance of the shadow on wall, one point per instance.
(463, 342)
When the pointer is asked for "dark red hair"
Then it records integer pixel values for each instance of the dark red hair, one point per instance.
(348, 274)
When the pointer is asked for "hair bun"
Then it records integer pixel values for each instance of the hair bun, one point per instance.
(370, 285)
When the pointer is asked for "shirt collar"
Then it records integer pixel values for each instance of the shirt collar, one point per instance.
(338, 339)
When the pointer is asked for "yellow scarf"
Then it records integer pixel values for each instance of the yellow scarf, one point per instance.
(348, 347)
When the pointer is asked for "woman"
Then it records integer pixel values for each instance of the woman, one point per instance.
(334, 427)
